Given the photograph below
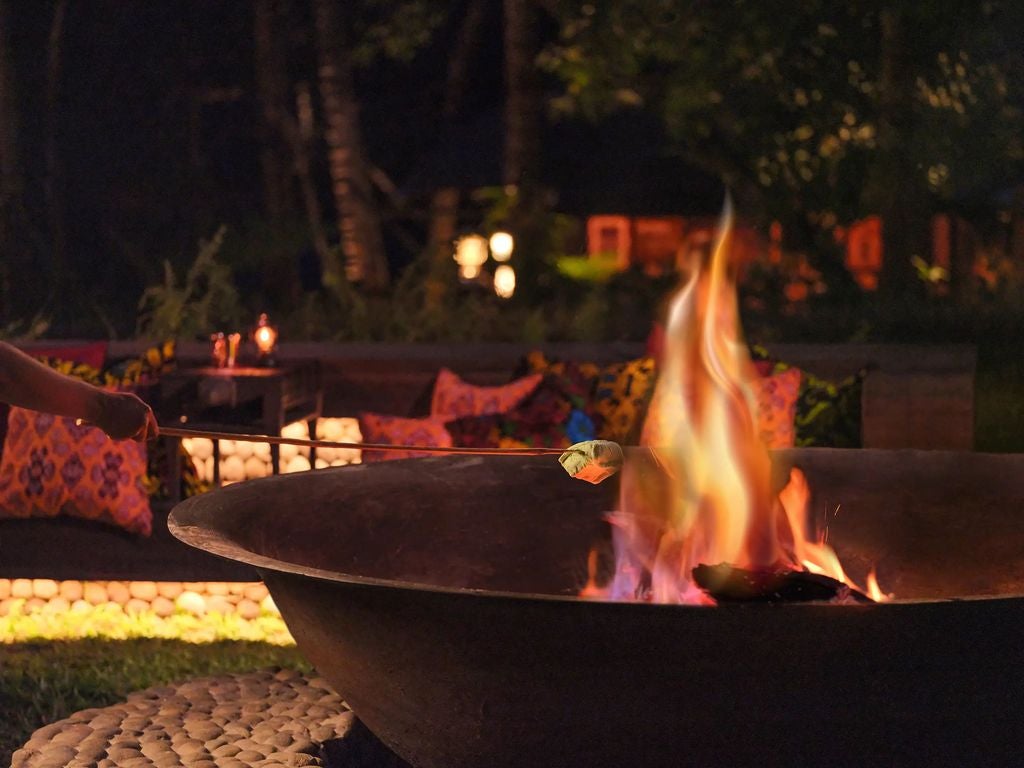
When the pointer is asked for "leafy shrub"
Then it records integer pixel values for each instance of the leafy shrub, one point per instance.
(206, 299)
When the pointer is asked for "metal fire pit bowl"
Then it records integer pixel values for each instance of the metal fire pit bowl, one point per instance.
(437, 596)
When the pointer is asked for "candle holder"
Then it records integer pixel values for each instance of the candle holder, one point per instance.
(265, 337)
(219, 350)
(233, 341)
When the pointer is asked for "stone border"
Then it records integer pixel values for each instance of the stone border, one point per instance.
(248, 600)
(262, 719)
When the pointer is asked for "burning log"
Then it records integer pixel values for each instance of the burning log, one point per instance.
(729, 584)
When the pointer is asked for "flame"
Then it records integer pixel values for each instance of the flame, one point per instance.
(873, 590)
(706, 497)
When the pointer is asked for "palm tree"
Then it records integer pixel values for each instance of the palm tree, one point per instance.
(523, 123)
(358, 222)
(444, 206)
(54, 185)
(10, 170)
(273, 93)
(895, 195)
(523, 102)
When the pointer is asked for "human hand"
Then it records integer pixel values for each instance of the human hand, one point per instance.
(124, 415)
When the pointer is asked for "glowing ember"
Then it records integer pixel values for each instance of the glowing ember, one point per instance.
(704, 497)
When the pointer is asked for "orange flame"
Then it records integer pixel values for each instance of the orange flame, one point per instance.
(711, 501)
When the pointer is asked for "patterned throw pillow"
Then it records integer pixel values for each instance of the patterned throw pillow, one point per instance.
(621, 398)
(575, 382)
(145, 369)
(397, 430)
(828, 414)
(579, 378)
(776, 408)
(52, 466)
(655, 344)
(550, 417)
(126, 373)
(455, 398)
(133, 374)
(141, 374)
(776, 397)
(92, 354)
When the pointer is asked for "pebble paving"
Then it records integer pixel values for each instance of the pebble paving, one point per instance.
(263, 719)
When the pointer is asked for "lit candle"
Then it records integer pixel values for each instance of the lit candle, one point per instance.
(265, 336)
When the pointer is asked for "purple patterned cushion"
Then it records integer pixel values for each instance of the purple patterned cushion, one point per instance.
(52, 466)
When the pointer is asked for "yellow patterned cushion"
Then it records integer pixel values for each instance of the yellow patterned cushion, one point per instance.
(583, 373)
(621, 398)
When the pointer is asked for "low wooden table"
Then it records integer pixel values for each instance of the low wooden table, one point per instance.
(241, 400)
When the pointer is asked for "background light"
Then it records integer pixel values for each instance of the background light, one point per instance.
(505, 281)
(471, 251)
(501, 246)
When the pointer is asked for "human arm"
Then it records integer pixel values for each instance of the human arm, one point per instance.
(27, 383)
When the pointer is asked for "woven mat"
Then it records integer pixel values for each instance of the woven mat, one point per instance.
(267, 718)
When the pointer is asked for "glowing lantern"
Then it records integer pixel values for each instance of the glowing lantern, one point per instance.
(505, 281)
(265, 336)
(470, 255)
(501, 246)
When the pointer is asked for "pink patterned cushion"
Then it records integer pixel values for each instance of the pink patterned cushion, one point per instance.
(51, 466)
(776, 411)
(455, 398)
(396, 430)
(776, 408)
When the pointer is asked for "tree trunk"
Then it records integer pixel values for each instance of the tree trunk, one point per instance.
(522, 95)
(962, 282)
(10, 171)
(897, 197)
(272, 88)
(522, 151)
(301, 136)
(1017, 227)
(361, 240)
(444, 221)
(444, 208)
(54, 170)
(10, 166)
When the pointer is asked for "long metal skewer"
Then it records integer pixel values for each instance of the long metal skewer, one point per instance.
(277, 440)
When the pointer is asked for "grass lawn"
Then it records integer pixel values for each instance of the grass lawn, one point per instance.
(43, 682)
